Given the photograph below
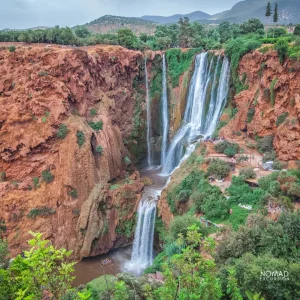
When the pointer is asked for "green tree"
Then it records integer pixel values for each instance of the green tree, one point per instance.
(252, 26)
(268, 13)
(189, 275)
(43, 269)
(127, 38)
(82, 32)
(275, 17)
(185, 34)
(297, 30)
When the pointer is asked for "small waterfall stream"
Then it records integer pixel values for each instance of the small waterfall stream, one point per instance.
(165, 115)
(207, 97)
(149, 154)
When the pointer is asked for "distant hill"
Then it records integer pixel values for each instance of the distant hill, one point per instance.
(289, 11)
(111, 24)
(194, 16)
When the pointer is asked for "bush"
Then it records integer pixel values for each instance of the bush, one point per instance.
(41, 211)
(73, 193)
(265, 144)
(47, 176)
(297, 30)
(93, 112)
(229, 149)
(282, 47)
(248, 173)
(11, 48)
(127, 161)
(250, 114)
(43, 73)
(96, 125)
(218, 168)
(62, 131)
(99, 150)
(2, 176)
(280, 120)
(80, 138)
(36, 182)
(180, 224)
(277, 165)
(216, 209)
(183, 196)
(272, 91)
(179, 62)
(269, 156)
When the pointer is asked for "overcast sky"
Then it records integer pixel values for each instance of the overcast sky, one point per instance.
(19, 14)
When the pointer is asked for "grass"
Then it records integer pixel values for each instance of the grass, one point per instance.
(40, 211)
(280, 120)
(114, 187)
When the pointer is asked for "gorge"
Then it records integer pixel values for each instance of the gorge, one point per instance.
(104, 147)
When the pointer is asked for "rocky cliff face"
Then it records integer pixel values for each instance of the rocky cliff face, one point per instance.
(42, 88)
(272, 96)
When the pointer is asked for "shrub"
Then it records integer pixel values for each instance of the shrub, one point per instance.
(47, 176)
(229, 149)
(40, 211)
(250, 114)
(179, 62)
(180, 224)
(216, 209)
(127, 161)
(73, 193)
(44, 119)
(62, 131)
(247, 173)
(242, 158)
(219, 126)
(282, 47)
(11, 48)
(36, 182)
(43, 73)
(99, 149)
(183, 196)
(80, 138)
(265, 144)
(297, 30)
(280, 120)
(2, 176)
(272, 91)
(96, 125)
(277, 165)
(93, 112)
(218, 168)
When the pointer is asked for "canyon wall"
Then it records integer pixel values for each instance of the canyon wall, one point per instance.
(60, 185)
(270, 103)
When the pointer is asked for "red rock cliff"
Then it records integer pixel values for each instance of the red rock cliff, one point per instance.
(41, 88)
(259, 71)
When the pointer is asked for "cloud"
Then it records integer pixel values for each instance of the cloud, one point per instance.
(20, 14)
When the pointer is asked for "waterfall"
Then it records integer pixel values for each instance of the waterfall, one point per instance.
(149, 156)
(199, 123)
(142, 250)
(165, 117)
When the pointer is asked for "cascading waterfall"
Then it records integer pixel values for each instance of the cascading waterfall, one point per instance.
(197, 122)
(142, 250)
(208, 92)
(165, 116)
(149, 154)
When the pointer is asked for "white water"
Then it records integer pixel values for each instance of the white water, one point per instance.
(165, 116)
(197, 124)
(149, 155)
(142, 250)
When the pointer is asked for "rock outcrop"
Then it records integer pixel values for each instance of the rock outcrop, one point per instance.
(273, 95)
(40, 89)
